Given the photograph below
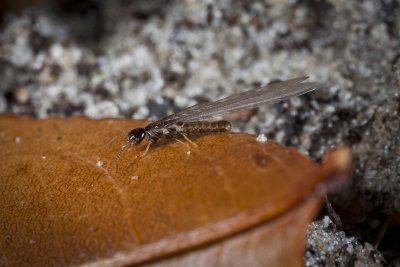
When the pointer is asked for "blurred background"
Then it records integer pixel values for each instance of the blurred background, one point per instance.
(147, 59)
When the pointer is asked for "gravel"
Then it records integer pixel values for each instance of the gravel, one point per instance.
(147, 59)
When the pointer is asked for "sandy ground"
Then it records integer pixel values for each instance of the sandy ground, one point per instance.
(147, 59)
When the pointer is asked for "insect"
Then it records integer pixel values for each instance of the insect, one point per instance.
(194, 119)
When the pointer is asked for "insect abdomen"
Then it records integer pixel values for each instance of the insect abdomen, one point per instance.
(206, 127)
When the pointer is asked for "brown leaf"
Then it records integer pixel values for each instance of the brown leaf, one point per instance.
(231, 201)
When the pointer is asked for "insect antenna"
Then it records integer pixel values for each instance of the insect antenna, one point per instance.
(122, 150)
(115, 138)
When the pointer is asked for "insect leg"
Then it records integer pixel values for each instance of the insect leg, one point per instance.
(186, 144)
(147, 148)
(187, 139)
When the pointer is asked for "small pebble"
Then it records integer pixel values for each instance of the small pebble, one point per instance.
(100, 164)
(22, 95)
(262, 138)
(18, 139)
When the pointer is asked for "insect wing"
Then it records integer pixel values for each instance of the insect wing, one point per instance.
(271, 93)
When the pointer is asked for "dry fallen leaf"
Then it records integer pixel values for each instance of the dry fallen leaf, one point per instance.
(231, 201)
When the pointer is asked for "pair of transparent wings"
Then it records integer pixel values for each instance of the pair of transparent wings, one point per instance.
(270, 93)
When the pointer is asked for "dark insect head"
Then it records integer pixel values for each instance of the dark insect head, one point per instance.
(136, 135)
